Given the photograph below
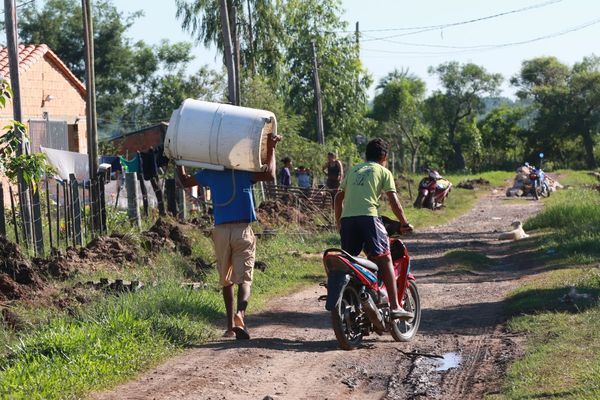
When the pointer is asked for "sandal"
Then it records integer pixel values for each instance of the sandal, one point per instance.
(241, 333)
(229, 333)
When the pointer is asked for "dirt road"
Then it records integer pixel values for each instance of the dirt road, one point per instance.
(294, 355)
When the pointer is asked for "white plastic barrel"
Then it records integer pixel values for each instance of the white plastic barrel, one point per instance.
(216, 136)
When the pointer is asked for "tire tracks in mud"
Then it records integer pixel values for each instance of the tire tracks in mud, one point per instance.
(293, 353)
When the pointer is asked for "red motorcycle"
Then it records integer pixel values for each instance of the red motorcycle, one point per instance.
(433, 190)
(358, 300)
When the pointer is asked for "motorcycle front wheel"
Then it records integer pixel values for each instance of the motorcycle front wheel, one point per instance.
(345, 319)
(405, 331)
(545, 190)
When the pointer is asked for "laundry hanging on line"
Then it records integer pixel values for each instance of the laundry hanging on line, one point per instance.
(114, 161)
(133, 165)
(68, 162)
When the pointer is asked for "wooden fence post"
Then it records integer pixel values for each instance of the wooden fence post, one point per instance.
(2, 218)
(170, 191)
(76, 205)
(133, 211)
(38, 231)
(49, 215)
(182, 211)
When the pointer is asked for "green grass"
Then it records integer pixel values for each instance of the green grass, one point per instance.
(575, 178)
(562, 358)
(111, 340)
(573, 216)
(459, 202)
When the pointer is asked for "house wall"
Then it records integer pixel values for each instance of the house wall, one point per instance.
(41, 80)
(140, 141)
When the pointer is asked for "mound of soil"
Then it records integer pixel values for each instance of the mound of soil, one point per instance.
(166, 234)
(18, 276)
(117, 248)
(473, 183)
(274, 213)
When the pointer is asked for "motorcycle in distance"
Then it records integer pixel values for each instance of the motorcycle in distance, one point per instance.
(433, 190)
(357, 298)
(539, 185)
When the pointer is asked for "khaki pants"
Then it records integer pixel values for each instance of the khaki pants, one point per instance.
(235, 249)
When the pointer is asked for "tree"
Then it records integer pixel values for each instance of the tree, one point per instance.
(567, 101)
(398, 106)
(342, 77)
(136, 84)
(458, 104)
(258, 30)
(59, 25)
(502, 134)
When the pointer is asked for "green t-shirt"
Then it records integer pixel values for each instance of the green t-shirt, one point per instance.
(362, 187)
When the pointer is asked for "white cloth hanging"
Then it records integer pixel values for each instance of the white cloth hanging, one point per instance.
(68, 162)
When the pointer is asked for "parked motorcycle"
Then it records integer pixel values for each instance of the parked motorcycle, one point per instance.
(358, 300)
(539, 184)
(433, 190)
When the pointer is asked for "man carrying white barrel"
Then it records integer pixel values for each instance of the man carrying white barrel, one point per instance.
(233, 238)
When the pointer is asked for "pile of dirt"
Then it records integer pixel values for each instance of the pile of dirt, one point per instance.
(164, 234)
(473, 183)
(276, 213)
(18, 276)
(117, 248)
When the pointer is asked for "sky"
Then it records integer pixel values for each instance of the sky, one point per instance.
(567, 29)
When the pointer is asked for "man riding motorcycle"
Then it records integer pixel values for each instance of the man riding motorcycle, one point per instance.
(357, 217)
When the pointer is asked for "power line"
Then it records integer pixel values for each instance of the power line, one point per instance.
(470, 49)
(421, 29)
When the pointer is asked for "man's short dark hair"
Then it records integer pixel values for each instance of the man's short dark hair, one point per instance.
(376, 149)
(286, 160)
(331, 154)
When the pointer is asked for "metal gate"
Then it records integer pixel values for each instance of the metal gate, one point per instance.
(51, 134)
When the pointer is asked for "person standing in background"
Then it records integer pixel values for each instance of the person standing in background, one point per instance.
(303, 176)
(335, 172)
(285, 176)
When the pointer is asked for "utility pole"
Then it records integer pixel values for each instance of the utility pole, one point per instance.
(10, 18)
(251, 39)
(235, 40)
(318, 103)
(91, 123)
(229, 56)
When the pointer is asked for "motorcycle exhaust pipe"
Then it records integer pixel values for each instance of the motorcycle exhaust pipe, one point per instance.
(372, 312)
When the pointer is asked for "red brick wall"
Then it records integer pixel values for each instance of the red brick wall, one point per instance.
(140, 141)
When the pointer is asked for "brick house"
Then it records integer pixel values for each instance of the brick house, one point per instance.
(141, 140)
(52, 99)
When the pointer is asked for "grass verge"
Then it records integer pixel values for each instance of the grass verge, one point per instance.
(559, 309)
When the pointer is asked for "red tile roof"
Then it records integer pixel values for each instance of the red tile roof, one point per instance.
(32, 53)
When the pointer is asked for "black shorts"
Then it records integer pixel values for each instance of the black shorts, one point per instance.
(364, 233)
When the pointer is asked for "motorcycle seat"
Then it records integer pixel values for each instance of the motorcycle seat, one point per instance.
(363, 262)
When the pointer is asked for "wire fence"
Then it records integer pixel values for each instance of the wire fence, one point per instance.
(69, 213)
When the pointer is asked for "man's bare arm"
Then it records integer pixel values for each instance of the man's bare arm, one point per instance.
(338, 203)
(397, 207)
(185, 180)
(269, 174)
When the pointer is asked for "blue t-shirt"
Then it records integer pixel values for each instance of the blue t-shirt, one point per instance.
(231, 193)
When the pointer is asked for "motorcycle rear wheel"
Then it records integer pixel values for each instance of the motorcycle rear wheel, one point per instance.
(405, 331)
(430, 202)
(345, 319)
(419, 201)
